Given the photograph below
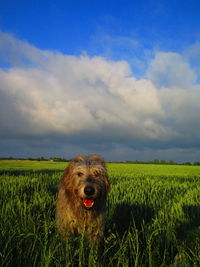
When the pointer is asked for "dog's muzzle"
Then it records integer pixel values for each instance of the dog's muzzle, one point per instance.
(88, 200)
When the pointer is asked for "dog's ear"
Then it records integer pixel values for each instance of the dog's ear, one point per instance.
(98, 159)
(67, 170)
(70, 167)
(66, 178)
(107, 182)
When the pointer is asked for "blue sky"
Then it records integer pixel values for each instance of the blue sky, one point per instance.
(118, 78)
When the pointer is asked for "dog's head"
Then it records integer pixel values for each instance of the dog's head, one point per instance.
(86, 179)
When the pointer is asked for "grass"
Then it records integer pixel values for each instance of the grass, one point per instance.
(31, 165)
(153, 217)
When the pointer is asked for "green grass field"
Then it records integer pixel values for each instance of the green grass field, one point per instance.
(153, 217)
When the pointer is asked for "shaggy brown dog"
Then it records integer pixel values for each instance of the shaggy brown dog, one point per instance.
(82, 196)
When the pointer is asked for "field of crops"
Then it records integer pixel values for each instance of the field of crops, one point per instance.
(153, 217)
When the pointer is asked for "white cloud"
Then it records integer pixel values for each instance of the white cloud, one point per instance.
(169, 70)
(46, 93)
(179, 94)
(192, 54)
(66, 94)
(18, 52)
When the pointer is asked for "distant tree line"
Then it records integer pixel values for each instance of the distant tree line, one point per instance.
(158, 161)
(155, 161)
(55, 159)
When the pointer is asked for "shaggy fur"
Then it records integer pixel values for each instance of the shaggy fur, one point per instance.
(81, 200)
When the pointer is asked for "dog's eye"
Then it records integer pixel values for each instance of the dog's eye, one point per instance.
(80, 174)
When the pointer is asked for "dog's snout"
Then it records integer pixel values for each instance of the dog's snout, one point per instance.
(89, 190)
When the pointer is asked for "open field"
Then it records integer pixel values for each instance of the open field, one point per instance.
(153, 217)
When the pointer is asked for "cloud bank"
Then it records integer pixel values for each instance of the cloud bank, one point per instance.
(94, 104)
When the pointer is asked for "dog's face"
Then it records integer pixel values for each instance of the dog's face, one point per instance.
(86, 178)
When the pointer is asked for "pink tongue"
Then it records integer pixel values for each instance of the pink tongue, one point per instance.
(88, 202)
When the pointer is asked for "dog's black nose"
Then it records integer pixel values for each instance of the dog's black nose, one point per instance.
(89, 190)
